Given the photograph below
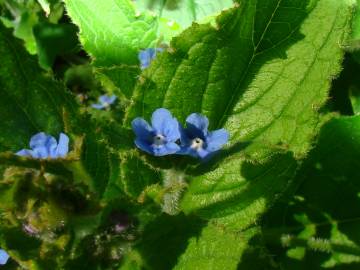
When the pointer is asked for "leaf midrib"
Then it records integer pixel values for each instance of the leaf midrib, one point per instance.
(230, 105)
(287, 104)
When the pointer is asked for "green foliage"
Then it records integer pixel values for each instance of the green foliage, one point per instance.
(216, 248)
(174, 16)
(319, 224)
(25, 91)
(233, 74)
(280, 195)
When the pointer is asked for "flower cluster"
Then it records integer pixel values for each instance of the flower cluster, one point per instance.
(161, 137)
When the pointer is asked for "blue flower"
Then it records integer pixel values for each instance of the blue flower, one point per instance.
(45, 146)
(146, 56)
(197, 141)
(104, 102)
(3, 257)
(160, 138)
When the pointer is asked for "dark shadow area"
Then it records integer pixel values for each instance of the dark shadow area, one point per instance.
(256, 257)
(326, 204)
(342, 87)
(166, 238)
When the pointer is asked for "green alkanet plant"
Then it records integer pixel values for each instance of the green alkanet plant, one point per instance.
(246, 85)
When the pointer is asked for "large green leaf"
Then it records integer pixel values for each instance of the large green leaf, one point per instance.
(113, 34)
(111, 31)
(30, 101)
(263, 73)
(319, 226)
(174, 15)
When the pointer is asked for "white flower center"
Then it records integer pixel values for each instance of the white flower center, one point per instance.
(197, 143)
(159, 139)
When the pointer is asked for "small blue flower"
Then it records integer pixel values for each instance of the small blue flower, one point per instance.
(3, 257)
(146, 56)
(105, 102)
(45, 146)
(158, 139)
(197, 141)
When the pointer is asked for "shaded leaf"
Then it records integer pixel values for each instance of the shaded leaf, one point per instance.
(216, 248)
(319, 226)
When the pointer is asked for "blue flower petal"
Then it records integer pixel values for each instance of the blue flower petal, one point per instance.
(107, 100)
(40, 152)
(202, 153)
(145, 57)
(42, 145)
(184, 137)
(187, 150)
(165, 149)
(197, 124)
(171, 130)
(3, 257)
(164, 124)
(46, 146)
(172, 148)
(63, 146)
(159, 50)
(159, 150)
(24, 153)
(145, 146)
(216, 139)
(51, 146)
(142, 129)
(98, 106)
(39, 139)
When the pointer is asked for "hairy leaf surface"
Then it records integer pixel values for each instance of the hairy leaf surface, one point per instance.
(112, 33)
(216, 248)
(263, 73)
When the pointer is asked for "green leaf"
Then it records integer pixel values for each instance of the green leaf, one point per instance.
(262, 73)
(53, 40)
(354, 42)
(24, 16)
(48, 5)
(113, 34)
(318, 225)
(30, 101)
(174, 16)
(172, 232)
(216, 248)
(136, 175)
(111, 31)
